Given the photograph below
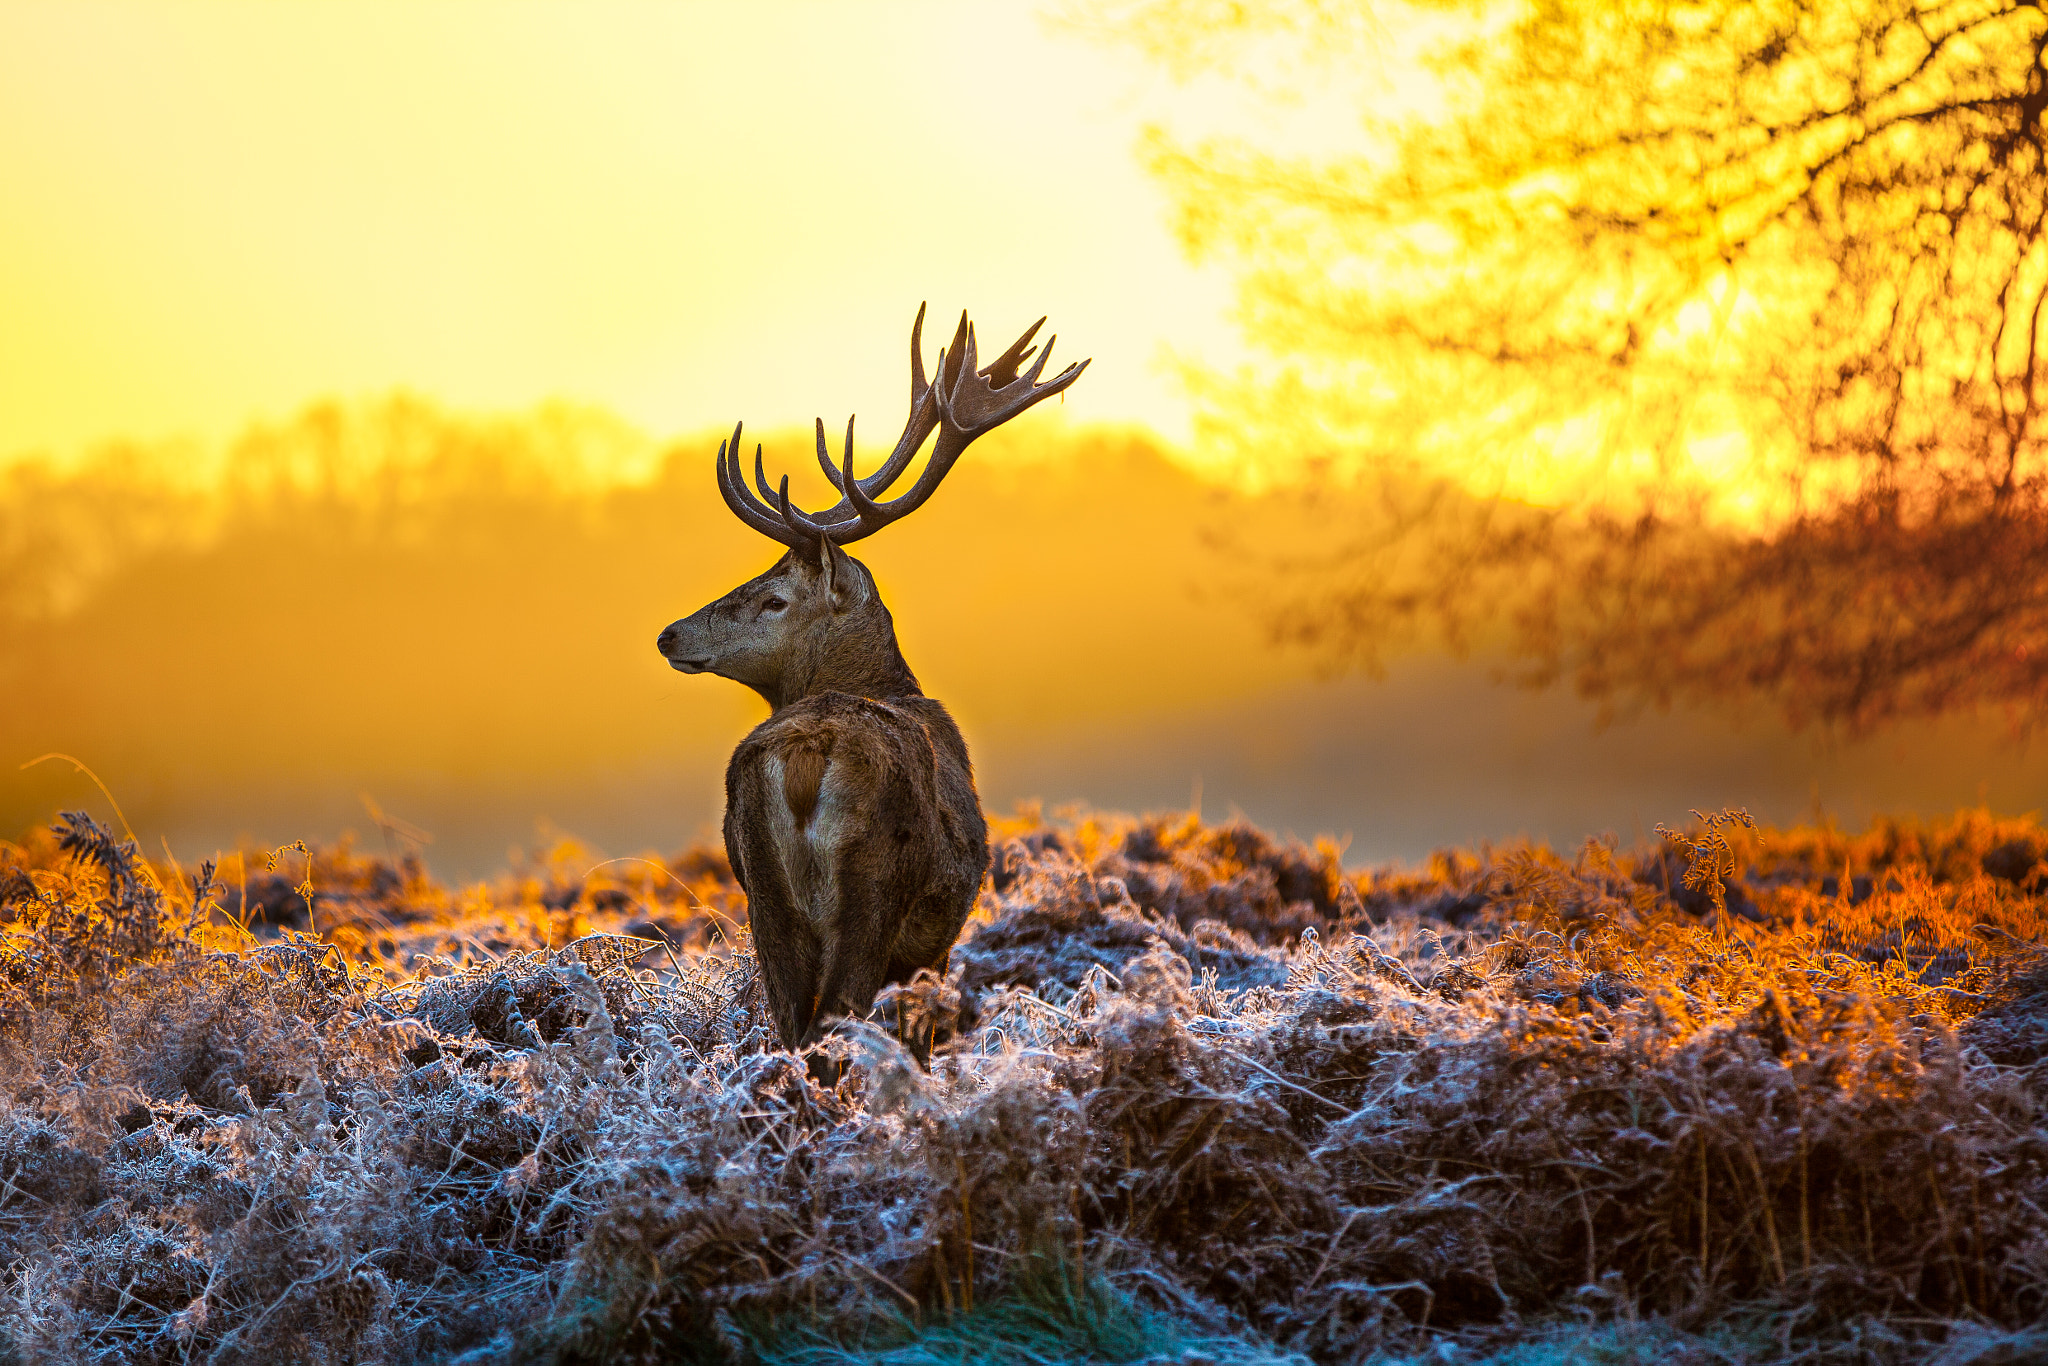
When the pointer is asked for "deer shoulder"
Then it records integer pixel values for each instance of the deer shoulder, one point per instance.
(838, 766)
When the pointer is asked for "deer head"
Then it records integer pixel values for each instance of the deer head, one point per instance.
(814, 622)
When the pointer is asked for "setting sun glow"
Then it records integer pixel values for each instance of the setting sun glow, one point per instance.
(679, 213)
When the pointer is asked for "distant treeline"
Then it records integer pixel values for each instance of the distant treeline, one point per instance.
(436, 609)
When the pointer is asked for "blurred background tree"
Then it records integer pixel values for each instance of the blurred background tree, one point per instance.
(1694, 349)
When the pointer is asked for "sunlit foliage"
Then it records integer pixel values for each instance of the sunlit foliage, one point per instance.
(1198, 1095)
(1750, 296)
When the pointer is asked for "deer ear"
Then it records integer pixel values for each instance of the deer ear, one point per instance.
(842, 580)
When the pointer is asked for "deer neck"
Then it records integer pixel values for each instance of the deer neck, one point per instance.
(861, 657)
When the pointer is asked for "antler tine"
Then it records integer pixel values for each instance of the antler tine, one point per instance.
(924, 413)
(963, 362)
(923, 418)
(950, 356)
(794, 517)
(977, 402)
(868, 512)
(918, 386)
(1003, 368)
(1059, 382)
(825, 454)
(732, 486)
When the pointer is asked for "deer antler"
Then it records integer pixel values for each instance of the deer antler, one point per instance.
(923, 417)
(964, 403)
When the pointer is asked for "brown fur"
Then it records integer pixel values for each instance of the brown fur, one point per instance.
(803, 772)
(876, 870)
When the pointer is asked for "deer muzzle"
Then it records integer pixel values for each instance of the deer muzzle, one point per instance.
(684, 647)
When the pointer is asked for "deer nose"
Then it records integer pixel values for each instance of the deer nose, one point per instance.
(666, 640)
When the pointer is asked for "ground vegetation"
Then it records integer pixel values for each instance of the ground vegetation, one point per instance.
(1196, 1094)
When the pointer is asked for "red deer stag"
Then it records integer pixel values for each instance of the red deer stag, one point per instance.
(850, 813)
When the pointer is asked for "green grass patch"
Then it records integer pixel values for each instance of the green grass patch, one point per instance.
(1049, 1317)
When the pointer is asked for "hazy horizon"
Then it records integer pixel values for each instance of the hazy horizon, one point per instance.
(430, 608)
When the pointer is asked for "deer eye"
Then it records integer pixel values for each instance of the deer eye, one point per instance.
(773, 605)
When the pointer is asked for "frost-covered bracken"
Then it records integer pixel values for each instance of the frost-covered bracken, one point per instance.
(1195, 1092)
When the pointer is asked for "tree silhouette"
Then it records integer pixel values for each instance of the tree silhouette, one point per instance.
(1697, 346)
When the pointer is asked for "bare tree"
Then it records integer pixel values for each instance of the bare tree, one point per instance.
(1757, 292)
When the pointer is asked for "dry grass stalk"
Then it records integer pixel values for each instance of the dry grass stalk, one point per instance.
(1274, 1106)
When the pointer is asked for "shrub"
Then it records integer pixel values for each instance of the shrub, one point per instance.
(1195, 1095)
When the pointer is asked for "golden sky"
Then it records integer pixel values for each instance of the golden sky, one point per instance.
(684, 213)
(213, 212)
(681, 214)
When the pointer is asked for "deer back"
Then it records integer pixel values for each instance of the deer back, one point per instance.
(838, 790)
